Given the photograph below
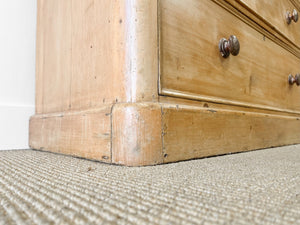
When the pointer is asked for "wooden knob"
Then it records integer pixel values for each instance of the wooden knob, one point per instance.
(291, 16)
(294, 80)
(232, 45)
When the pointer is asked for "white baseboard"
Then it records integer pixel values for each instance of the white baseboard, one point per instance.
(14, 126)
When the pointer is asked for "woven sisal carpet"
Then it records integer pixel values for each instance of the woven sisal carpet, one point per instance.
(260, 187)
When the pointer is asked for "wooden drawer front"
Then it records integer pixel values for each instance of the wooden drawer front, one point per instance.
(191, 65)
(274, 12)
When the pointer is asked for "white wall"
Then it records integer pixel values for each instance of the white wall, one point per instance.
(17, 71)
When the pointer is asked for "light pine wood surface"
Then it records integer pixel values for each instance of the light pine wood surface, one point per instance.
(91, 53)
(192, 132)
(84, 134)
(191, 64)
(136, 134)
(274, 12)
(142, 82)
(53, 56)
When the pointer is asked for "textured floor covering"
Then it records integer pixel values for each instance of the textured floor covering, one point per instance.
(260, 187)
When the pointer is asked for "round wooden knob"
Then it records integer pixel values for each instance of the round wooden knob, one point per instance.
(294, 80)
(291, 16)
(232, 45)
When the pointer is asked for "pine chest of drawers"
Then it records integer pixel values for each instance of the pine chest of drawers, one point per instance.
(144, 82)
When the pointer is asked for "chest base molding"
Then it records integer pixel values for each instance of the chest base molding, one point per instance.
(139, 134)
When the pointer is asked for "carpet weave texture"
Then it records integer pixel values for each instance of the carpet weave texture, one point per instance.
(258, 187)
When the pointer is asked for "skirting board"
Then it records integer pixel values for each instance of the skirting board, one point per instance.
(138, 134)
(14, 126)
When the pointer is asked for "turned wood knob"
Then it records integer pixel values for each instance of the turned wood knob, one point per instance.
(294, 80)
(232, 45)
(291, 16)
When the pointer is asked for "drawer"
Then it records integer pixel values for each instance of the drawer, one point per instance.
(192, 67)
(274, 12)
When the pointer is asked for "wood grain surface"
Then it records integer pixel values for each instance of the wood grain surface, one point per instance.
(194, 132)
(84, 134)
(192, 67)
(91, 53)
(274, 12)
(53, 56)
(137, 134)
(143, 83)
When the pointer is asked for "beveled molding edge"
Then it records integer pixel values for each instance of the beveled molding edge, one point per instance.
(296, 3)
(198, 97)
(255, 21)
